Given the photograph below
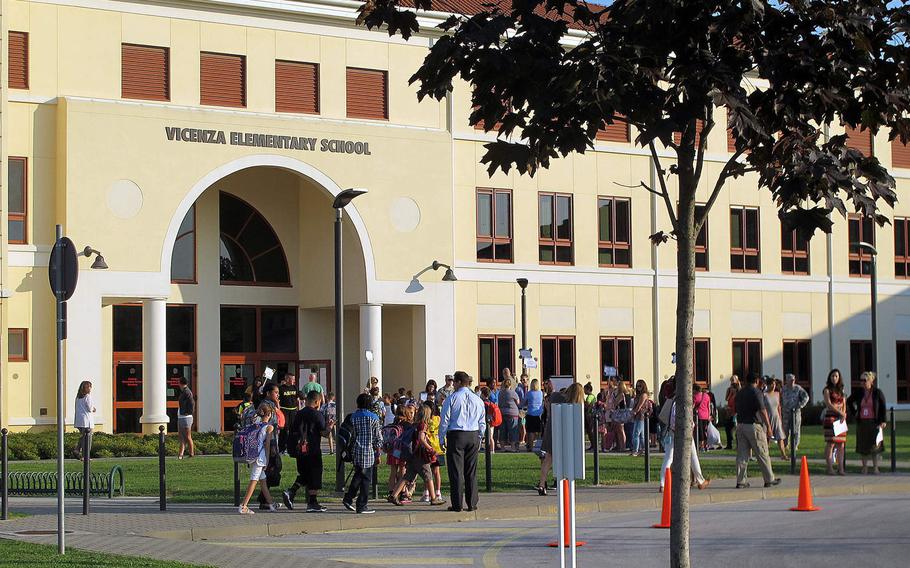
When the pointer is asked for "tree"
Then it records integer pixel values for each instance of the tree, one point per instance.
(783, 70)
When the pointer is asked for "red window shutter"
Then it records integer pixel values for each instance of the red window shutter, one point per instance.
(900, 154)
(222, 79)
(18, 60)
(145, 72)
(296, 87)
(367, 94)
(859, 140)
(616, 132)
(699, 125)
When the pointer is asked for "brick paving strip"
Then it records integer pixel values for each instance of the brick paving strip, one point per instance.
(136, 527)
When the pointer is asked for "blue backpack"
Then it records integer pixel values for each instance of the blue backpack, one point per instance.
(247, 443)
(403, 446)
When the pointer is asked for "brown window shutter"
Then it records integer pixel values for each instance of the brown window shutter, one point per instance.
(699, 125)
(18, 60)
(145, 72)
(616, 132)
(296, 87)
(367, 94)
(900, 154)
(859, 140)
(222, 79)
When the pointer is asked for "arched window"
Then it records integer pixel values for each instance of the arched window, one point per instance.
(250, 250)
(183, 259)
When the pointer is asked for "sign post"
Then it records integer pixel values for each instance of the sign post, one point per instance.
(568, 465)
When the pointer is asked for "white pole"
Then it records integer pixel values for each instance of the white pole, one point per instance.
(571, 519)
(562, 526)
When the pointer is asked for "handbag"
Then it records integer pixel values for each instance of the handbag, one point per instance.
(622, 415)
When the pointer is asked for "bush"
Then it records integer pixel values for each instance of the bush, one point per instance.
(43, 445)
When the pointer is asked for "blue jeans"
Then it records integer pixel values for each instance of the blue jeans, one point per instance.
(638, 435)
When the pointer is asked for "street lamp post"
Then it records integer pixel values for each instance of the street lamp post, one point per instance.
(341, 200)
(523, 284)
(873, 273)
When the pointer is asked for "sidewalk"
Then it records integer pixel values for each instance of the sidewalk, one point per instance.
(135, 526)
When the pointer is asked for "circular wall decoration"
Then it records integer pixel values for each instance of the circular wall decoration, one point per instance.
(404, 214)
(124, 199)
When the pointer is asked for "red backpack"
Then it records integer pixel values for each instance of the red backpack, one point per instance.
(494, 415)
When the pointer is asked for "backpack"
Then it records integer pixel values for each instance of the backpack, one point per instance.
(246, 443)
(494, 415)
(390, 433)
(403, 446)
(665, 410)
(346, 438)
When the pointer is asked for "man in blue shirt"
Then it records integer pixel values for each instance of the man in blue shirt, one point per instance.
(461, 425)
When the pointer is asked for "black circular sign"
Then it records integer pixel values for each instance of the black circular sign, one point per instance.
(64, 260)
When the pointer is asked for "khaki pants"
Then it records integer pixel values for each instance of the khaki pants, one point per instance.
(752, 439)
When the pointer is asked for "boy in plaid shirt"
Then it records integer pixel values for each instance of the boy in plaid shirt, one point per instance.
(367, 444)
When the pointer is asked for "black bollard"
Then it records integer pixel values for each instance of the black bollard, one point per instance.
(236, 484)
(893, 443)
(488, 455)
(4, 475)
(162, 502)
(792, 440)
(86, 473)
(596, 444)
(647, 450)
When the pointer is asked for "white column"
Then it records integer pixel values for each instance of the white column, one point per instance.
(370, 339)
(154, 364)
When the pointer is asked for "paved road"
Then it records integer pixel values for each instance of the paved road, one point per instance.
(868, 531)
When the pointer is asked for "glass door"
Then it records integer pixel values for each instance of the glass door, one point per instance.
(127, 396)
(176, 370)
(236, 376)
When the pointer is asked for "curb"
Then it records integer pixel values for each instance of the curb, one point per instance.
(632, 505)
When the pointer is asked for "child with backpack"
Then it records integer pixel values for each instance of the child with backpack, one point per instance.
(256, 441)
(494, 416)
(439, 449)
(415, 449)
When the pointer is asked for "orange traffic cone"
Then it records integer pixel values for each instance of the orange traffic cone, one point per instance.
(566, 519)
(668, 502)
(804, 503)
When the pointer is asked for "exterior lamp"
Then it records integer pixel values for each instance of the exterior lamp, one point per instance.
(449, 276)
(99, 263)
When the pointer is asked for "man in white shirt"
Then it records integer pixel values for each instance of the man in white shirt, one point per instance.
(461, 425)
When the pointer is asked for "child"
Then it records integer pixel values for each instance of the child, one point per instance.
(241, 408)
(394, 463)
(440, 451)
(419, 462)
(257, 468)
(330, 411)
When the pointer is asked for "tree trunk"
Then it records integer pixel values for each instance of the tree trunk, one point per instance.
(685, 314)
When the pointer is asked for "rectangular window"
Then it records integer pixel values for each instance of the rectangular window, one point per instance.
(859, 139)
(794, 251)
(860, 361)
(18, 60)
(900, 154)
(367, 94)
(614, 221)
(17, 344)
(744, 240)
(555, 228)
(798, 360)
(616, 353)
(903, 372)
(701, 242)
(494, 225)
(296, 87)
(616, 132)
(557, 357)
(747, 357)
(495, 353)
(222, 79)
(701, 365)
(860, 229)
(17, 193)
(902, 247)
(145, 72)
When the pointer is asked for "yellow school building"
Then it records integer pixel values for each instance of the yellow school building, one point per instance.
(198, 147)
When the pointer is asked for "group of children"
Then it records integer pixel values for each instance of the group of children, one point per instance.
(411, 444)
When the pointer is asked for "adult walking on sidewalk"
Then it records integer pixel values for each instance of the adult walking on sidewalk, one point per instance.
(867, 404)
(367, 443)
(793, 398)
(462, 423)
(751, 433)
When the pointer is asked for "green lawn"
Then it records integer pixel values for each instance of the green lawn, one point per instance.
(812, 443)
(15, 553)
(209, 478)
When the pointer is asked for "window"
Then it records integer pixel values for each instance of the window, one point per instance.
(798, 360)
(859, 139)
(861, 360)
(614, 219)
(17, 194)
(181, 328)
(616, 352)
(616, 132)
(183, 257)
(222, 79)
(495, 353)
(144, 72)
(903, 372)
(18, 60)
(250, 250)
(296, 87)
(557, 357)
(555, 222)
(367, 94)
(860, 229)
(17, 344)
(494, 225)
(794, 251)
(701, 242)
(258, 330)
(701, 365)
(900, 154)
(744, 240)
(747, 357)
(902, 247)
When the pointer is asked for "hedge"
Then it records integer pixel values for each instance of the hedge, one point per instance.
(43, 445)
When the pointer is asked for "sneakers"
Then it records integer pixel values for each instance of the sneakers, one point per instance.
(426, 497)
(366, 511)
(288, 500)
(245, 511)
(744, 485)
(316, 507)
(773, 482)
(348, 505)
(437, 501)
(273, 508)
